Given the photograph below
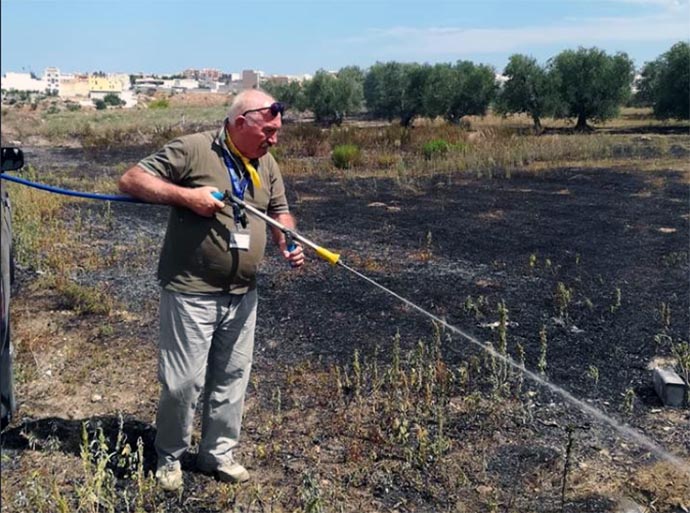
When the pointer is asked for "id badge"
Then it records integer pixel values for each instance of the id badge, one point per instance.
(239, 240)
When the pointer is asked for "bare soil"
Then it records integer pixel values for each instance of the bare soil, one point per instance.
(617, 239)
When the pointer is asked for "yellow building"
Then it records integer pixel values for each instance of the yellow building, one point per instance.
(106, 84)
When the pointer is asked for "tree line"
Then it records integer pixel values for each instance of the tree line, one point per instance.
(583, 84)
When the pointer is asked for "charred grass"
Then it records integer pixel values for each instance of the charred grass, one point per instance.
(400, 422)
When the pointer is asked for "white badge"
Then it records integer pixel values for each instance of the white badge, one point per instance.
(239, 240)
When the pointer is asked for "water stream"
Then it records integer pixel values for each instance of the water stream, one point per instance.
(624, 430)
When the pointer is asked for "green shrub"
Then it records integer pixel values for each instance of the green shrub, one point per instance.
(435, 148)
(72, 106)
(346, 156)
(161, 103)
(113, 99)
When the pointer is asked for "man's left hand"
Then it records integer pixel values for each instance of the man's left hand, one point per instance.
(295, 257)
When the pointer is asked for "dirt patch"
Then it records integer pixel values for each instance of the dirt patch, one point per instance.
(199, 100)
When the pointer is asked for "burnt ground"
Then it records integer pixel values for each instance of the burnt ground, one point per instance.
(617, 239)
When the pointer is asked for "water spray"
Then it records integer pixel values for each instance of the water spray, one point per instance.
(334, 259)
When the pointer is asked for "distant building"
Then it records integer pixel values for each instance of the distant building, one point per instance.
(147, 84)
(22, 82)
(286, 79)
(180, 84)
(123, 78)
(229, 87)
(230, 77)
(278, 79)
(251, 79)
(102, 85)
(191, 73)
(74, 86)
(210, 75)
(51, 77)
(130, 99)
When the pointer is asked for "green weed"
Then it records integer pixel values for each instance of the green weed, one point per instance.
(346, 156)
(563, 297)
(82, 299)
(435, 148)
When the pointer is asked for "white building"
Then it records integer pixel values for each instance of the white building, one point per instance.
(51, 77)
(21, 82)
(180, 84)
(147, 84)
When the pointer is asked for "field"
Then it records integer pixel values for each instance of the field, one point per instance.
(565, 253)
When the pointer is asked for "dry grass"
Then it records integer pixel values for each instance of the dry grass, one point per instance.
(324, 438)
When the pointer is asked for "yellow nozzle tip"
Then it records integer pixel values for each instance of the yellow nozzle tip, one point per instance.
(328, 256)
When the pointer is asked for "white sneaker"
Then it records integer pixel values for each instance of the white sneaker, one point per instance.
(169, 476)
(229, 471)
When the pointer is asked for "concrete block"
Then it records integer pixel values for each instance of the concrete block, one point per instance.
(669, 386)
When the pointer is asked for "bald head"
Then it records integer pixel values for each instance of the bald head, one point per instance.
(247, 100)
(256, 132)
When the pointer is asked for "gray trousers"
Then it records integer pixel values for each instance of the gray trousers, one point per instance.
(206, 342)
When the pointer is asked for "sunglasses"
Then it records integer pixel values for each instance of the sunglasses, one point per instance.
(275, 108)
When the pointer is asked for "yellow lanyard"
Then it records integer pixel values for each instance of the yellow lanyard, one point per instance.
(253, 173)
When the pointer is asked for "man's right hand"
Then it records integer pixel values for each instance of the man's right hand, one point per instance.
(201, 201)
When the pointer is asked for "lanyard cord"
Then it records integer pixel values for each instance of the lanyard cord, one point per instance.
(238, 186)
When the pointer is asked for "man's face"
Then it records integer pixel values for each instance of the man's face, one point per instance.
(256, 132)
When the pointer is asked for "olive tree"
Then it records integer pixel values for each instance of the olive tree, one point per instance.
(645, 85)
(591, 84)
(291, 94)
(665, 83)
(458, 90)
(528, 89)
(396, 90)
(321, 97)
(382, 89)
(330, 96)
(350, 89)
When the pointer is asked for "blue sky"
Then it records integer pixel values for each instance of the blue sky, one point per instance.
(296, 37)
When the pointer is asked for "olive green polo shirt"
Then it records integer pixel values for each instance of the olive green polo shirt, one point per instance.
(196, 257)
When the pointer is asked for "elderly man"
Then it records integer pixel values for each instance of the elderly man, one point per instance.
(207, 271)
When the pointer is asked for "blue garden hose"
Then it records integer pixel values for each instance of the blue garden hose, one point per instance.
(329, 256)
(68, 192)
(291, 246)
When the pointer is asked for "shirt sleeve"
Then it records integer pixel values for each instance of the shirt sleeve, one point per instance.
(170, 162)
(277, 203)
